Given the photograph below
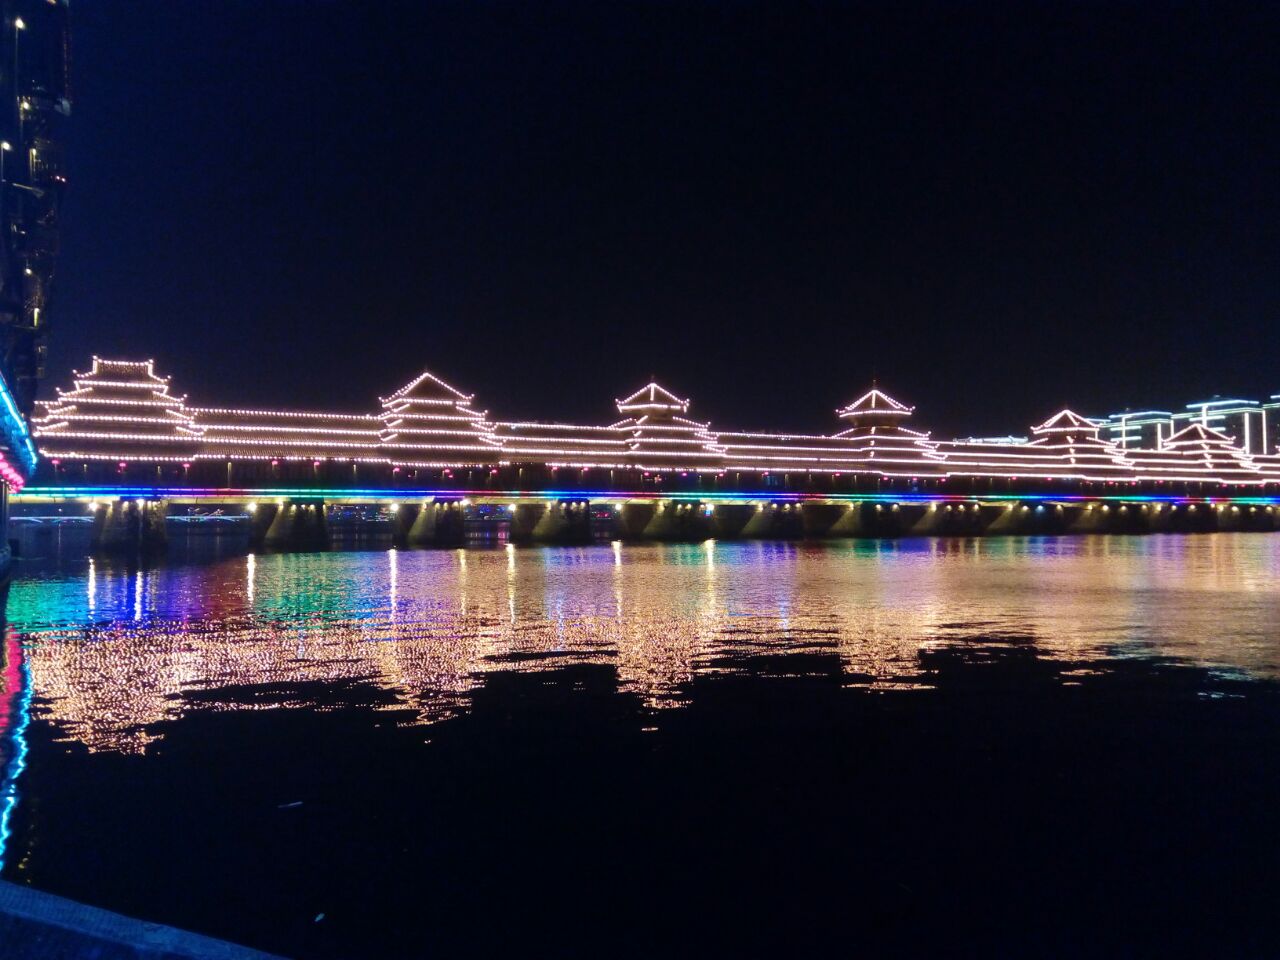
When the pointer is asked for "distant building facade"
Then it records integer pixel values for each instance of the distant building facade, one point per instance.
(35, 99)
(1254, 425)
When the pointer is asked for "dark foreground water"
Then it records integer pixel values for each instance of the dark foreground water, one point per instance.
(1034, 747)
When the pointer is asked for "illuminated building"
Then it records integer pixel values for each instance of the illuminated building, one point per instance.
(36, 97)
(1252, 425)
(1143, 428)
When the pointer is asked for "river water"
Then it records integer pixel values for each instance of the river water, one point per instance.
(1059, 746)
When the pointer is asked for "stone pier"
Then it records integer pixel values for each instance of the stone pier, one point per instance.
(402, 519)
(290, 527)
(130, 527)
(439, 523)
(728, 520)
(775, 521)
(667, 521)
(563, 522)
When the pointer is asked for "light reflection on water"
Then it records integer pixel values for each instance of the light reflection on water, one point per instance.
(113, 649)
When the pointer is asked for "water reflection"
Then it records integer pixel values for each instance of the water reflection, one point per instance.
(15, 714)
(113, 650)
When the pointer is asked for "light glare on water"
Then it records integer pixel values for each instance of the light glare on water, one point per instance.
(113, 650)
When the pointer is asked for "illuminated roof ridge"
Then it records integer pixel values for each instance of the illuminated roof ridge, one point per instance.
(1067, 420)
(121, 405)
(875, 401)
(427, 386)
(653, 397)
(103, 365)
(1198, 433)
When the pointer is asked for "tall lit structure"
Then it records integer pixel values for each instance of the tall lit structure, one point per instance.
(36, 99)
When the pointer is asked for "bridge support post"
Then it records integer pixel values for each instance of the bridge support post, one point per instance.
(1161, 518)
(929, 520)
(260, 521)
(1229, 518)
(563, 521)
(440, 523)
(402, 522)
(679, 523)
(634, 519)
(297, 527)
(1004, 522)
(819, 519)
(728, 520)
(130, 526)
(848, 523)
(774, 521)
(1259, 518)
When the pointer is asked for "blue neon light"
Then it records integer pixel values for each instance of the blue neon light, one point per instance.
(681, 496)
(15, 430)
(18, 762)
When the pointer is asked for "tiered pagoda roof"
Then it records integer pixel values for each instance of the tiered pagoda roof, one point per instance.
(875, 408)
(119, 409)
(429, 423)
(655, 433)
(1197, 452)
(1079, 447)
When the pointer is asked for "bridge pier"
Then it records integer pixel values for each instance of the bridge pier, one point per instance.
(667, 521)
(931, 520)
(1260, 518)
(439, 523)
(728, 520)
(260, 519)
(775, 521)
(563, 522)
(1251, 518)
(819, 519)
(402, 521)
(130, 526)
(291, 527)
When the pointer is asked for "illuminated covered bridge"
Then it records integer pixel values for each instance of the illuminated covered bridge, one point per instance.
(124, 443)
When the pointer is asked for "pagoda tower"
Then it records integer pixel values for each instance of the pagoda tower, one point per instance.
(875, 412)
(660, 438)
(119, 410)
(1202, 453)
(429, 423)
(1077, 443)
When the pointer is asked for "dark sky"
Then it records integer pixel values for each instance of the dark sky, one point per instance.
(996, 209)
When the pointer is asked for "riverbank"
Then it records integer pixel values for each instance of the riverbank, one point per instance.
(40, 926)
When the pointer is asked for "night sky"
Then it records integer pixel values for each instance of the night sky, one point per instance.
(996, 210)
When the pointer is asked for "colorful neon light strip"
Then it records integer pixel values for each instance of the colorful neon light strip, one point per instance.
(349, 495)
(15, 430)
(19, 679)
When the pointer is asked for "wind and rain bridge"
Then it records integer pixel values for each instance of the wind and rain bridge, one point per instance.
(122, 449)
